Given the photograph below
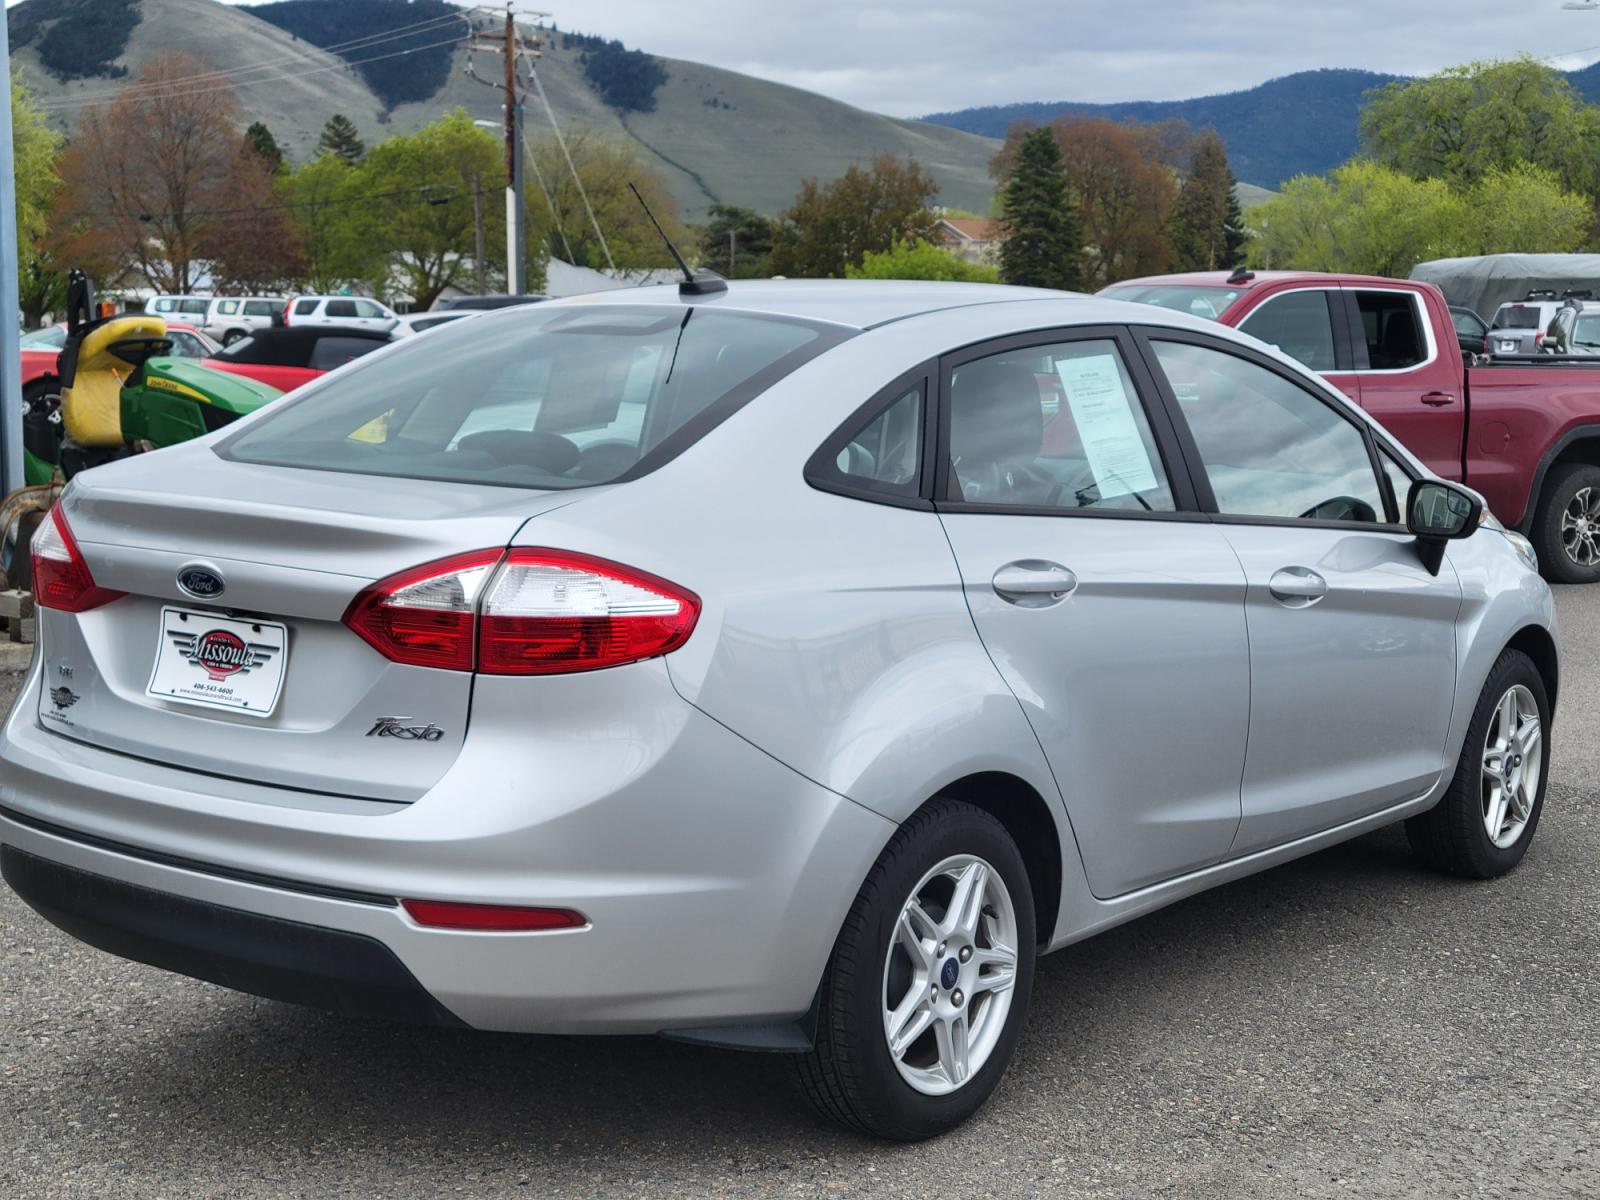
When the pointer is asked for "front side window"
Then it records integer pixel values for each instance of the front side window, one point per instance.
(1058, 426)
(1392, 326)
(366, 308)
(186, 345)
(1298, 323)
(165, 305)
(1467, 323)
(560, 397)
(1399, 482)
(331, 352)
(1269, 447)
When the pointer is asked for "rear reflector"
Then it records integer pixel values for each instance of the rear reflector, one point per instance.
(61, 578)
(523, 612)
(441, 914)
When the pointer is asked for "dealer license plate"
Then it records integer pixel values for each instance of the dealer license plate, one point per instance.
(219, 662)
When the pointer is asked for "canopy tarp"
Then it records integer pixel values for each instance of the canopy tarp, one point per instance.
(1483, 284)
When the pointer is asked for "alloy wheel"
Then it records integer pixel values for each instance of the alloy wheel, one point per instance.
(1580, 527)
(948, 975)
(1512, 763)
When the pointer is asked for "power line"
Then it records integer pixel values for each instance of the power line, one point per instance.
(565, 153)
(174, 95)
(431, 193)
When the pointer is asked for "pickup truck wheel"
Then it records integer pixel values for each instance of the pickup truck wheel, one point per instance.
(1566, 531)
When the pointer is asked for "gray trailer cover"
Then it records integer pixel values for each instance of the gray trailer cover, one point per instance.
(1484, 284)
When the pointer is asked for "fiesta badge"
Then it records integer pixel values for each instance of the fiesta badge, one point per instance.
(200, 582)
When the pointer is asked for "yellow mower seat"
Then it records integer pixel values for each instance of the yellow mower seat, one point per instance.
(91, 407)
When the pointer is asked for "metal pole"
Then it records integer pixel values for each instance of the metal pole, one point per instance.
(731, 270)
(513, 114)
(477, 230)
(516, 225)
(10, 261)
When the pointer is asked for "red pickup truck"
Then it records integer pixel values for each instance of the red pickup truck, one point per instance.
(1524, 432)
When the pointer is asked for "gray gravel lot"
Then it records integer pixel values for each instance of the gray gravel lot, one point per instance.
(1349, 1025)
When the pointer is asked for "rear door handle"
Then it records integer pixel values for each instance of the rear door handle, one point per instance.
(1034, 583)
(1297, 587)
(1437, 399)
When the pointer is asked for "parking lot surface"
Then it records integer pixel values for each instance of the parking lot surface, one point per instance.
(1347, 1025)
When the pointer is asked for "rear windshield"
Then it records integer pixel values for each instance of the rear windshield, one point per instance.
(547, 398)
(1518, 316)
(1196, 300)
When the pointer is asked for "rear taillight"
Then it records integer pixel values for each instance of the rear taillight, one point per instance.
(523, 612)
(61, 578)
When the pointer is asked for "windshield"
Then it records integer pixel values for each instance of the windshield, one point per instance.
(1197, 300)
(1586, 332)
(45, 339)
(547, 398)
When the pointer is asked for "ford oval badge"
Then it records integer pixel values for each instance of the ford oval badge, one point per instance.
(201, 583)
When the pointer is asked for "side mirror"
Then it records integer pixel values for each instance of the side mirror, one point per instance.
(1437, 512)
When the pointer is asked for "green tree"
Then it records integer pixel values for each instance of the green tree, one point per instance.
(920, 260)
(414, 197)
(323, 201)
(1525, 209)
(339, 137)
(736, 241)
(831, 226)
(258, 139)
(36, 147)
(1467, 121)
(1206, 229)
(1043, 239)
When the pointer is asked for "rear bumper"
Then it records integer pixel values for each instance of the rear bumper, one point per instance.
(714, 878)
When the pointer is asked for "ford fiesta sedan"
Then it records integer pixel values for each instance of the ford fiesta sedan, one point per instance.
(782, 666)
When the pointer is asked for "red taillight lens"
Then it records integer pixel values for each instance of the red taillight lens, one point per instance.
(61, 579)
(426, 616)
(523, 612)
(551, 611)
(494, 918)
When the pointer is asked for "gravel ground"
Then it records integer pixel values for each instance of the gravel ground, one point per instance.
(1348, 1025)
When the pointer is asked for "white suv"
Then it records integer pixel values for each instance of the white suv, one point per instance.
(179, 308)
(358, 312)
(230, 318)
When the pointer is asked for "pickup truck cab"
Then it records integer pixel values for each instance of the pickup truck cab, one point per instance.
(1523, 432)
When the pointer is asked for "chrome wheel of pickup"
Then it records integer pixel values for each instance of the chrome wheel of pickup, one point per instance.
(1580, 527)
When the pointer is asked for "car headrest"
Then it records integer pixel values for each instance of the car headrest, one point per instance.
(995, 413)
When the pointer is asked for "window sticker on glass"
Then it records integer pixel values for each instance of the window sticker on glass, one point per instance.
(1103, 412)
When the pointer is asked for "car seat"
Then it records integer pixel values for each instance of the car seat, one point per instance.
(996, 431)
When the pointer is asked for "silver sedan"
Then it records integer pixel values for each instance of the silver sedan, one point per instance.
(783, 667)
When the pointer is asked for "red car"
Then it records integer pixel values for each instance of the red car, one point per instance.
(286, 357)
(40, 348)
(1524, 432)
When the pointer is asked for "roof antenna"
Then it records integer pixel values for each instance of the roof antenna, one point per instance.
(1241, 275)
(695, 283)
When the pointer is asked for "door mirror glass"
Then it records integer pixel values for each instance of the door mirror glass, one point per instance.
(1439, 511)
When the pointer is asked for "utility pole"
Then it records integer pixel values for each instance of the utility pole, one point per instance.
(732, 272)
(10, 319)
(510, 47)
(477, 231)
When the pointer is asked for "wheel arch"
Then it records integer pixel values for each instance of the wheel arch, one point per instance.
(1578, 445)
(1031, 823)
(1535, 641)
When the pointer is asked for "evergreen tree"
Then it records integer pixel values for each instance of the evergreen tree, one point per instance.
(258, 138)
(1043, 237)
(339, 137)
(1207, 227)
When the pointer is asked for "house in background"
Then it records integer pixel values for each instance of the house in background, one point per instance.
(976, 239)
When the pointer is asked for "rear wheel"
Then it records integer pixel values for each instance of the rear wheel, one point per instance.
(924, 997)
(232, 336)
(1566, 529)
(1485, 822)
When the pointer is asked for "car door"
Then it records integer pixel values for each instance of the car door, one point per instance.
(1408, 381)
(1112, 608)
(1307, 324)
(1352, 640)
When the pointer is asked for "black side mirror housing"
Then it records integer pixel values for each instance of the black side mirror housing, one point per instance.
(1438, 512)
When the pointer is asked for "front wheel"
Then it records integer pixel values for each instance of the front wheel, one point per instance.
(1566, 530)
(924, 997)
(1483, 825)
(232, 336)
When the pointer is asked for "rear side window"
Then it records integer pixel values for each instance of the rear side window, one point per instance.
(881, 456)
(260, 308)
(341, 308)
(559, 397)
(165, 305)
(1298, 323)
(227, 307)
(331, 352)
(1393, 330)
(193, 308)
(304, 308)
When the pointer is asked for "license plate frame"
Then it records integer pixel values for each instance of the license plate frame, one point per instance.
(208, 660)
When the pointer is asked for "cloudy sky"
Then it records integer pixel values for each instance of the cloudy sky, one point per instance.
(910, 58)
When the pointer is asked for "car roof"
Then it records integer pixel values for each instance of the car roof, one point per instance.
(858, 303)
(1258, 279)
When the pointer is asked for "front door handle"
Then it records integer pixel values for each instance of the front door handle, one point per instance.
(1437, 399)
(1034, 583)
(1297, 587)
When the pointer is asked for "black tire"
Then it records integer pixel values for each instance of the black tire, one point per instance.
(1452, 836)
(1555, 561)
(849, 1077)
(232, 336)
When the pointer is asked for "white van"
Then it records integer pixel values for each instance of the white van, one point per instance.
(357, 312)
(191, 309)
(229, 318)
